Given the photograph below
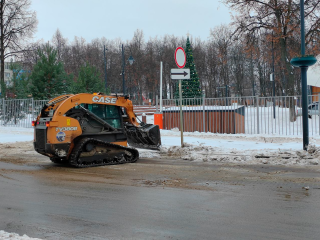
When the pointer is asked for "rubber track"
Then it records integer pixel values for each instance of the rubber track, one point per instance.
(77, 150)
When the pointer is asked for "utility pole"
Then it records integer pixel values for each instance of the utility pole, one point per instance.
(105, 69)
(123, 65)
(226, 94)
(253, 92)
(273, 82)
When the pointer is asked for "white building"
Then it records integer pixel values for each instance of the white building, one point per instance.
(313, 74)
(313, 79)
(7, 74)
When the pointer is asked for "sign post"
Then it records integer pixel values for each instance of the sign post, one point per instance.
(179, 74)
(181, 115)
(158, 117)
(161, 87)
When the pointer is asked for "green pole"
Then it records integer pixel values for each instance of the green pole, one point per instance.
(304, 69)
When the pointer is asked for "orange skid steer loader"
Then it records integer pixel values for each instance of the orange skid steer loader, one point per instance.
(85, 130)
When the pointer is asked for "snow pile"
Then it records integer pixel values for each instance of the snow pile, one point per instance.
(14, 236)
(190, 152)
(240, 148)
(203, 153)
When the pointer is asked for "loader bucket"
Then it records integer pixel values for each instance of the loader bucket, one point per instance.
(146, 136)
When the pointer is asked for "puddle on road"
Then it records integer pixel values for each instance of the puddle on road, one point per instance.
(294, 194)
(18, 165)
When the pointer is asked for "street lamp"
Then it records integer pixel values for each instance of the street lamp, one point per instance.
(304, 62)
(105, 68)
(130, 60)
(123, 65)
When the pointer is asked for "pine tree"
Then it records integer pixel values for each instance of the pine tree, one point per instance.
(48, 76)
(88, 81)
(190, 88)
(21, 84)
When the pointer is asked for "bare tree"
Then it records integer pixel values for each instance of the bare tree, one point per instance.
(220, 37)
(59, 43)
(282, 18)
(17, 24)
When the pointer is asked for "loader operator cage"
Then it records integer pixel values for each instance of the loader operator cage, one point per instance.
(108, 113)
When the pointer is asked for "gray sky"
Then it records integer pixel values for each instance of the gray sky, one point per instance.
(121, 18)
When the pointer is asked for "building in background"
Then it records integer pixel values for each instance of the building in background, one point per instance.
(8, 74)
(313, 79)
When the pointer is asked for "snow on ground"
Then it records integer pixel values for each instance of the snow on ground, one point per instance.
(240, 148)
(210, 147)
(14, 236)
(14, 134)
(236, 148)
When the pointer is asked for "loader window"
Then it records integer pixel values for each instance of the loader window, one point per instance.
(98, 110)
(113, 116)
(108, 113)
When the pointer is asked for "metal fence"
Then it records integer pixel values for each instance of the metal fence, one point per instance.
(19, 112)
(233, 115)
(249, 115)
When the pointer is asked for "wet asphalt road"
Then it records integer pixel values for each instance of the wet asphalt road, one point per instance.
(159, 199)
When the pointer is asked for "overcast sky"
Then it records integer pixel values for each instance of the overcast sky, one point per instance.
(120, 19)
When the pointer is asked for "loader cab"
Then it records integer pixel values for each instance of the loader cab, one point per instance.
(109, 113)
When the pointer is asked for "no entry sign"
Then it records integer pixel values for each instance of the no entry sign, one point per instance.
(180, 57)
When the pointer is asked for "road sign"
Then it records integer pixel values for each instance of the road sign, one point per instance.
(177, 73)
(180, 57)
